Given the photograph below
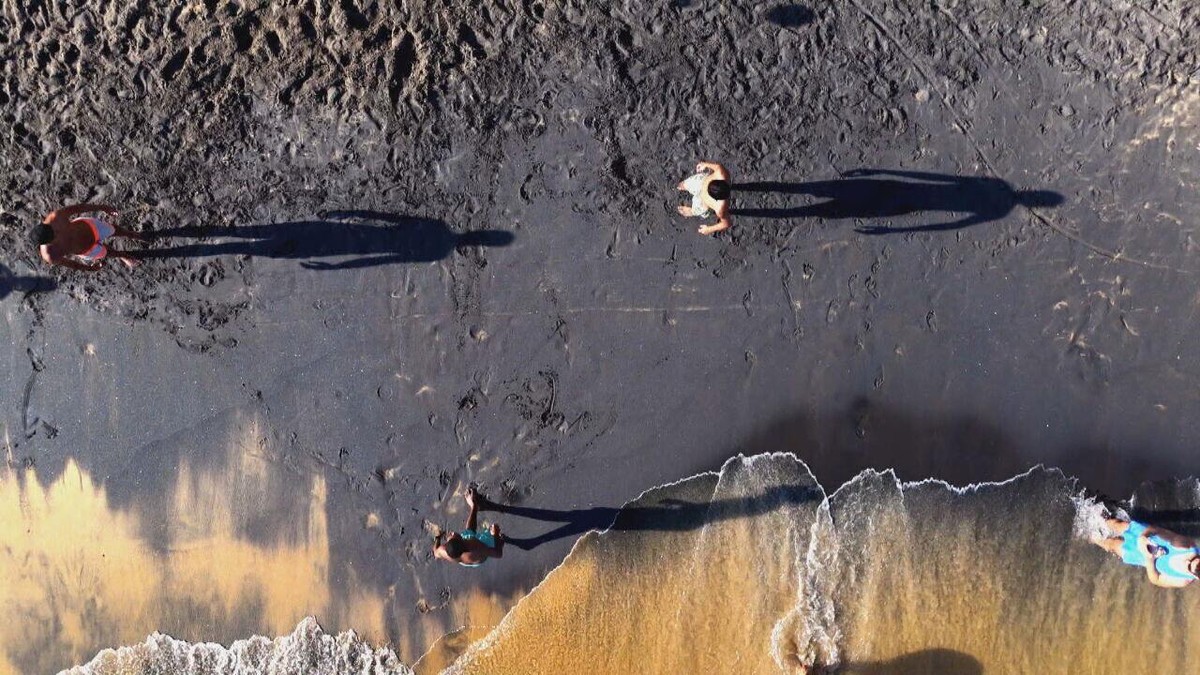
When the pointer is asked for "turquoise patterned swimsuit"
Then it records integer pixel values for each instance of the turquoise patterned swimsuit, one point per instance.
(480, 536)
(1132, 555)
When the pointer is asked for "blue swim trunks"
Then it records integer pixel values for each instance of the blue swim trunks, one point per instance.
(1130, 553)
(481, 536)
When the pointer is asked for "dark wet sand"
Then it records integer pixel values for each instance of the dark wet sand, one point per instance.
(608, 348)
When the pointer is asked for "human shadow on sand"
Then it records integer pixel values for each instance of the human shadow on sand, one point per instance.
(790, 16)
(924, 661)
(667, 515)
(366, 238)
(10, 282)
(959, 448)
(863, 194)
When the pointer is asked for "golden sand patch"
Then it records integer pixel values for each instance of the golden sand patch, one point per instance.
(77, 575)
(673, 594)
(473, 615)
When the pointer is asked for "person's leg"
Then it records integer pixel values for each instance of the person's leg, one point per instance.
(119, 231)
(1117, 526)
(498, 537)
(473, 515)
(1112, 544)
(129, 261)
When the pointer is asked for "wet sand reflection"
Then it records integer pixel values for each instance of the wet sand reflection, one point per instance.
(77, 575)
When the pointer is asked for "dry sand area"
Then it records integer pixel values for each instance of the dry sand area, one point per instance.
(413, 245)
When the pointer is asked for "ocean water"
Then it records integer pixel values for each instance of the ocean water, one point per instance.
(758, 568)
(879, 577)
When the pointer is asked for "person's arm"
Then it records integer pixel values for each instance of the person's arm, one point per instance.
(1161, 581)
(76, 265)
(722, 221)
(67, 262)
(437, 547)
(718, 170)
(1152, 571)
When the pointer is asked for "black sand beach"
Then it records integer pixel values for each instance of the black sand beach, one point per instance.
(333, 351)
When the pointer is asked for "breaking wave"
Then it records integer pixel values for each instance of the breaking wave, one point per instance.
(307, 650)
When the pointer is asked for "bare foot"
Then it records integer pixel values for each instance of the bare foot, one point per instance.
(498, 536)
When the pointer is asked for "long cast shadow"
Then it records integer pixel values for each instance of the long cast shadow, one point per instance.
(368, 238)
(10, 282)
(790, 16)
(857, 195)
(670, 515)
(936, 660)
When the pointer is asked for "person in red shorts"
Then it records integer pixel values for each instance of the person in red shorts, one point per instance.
(69, 238)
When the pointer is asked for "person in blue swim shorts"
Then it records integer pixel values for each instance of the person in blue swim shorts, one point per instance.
(471, 547)
(1171, 560)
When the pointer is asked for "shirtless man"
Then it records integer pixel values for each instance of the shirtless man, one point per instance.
(710, 194)
(1171, 560)
(69, 239)
(470, 548)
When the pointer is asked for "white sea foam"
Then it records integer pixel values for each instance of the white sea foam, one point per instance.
(307, 651)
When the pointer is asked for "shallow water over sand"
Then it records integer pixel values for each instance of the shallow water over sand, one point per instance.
(78, 573)
(882, 577)
(755, 570)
